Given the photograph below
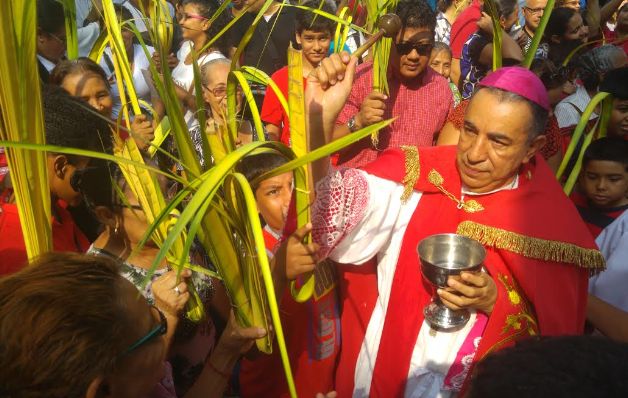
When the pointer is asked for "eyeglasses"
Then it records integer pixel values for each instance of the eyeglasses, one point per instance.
(63, 40)
(157, 331)
(405, 48)
(132, 207)
(185, 16)
(535, 10)
(221, 91)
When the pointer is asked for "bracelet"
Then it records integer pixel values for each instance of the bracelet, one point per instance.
(225, 375)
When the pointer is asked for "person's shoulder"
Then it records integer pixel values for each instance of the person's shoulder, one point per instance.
(139, 50)
(280, 74)
(438, 84)
(433, 77)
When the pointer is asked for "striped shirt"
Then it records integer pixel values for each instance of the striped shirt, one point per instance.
(569, 111)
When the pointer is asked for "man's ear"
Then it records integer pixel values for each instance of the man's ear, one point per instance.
(502, 22)
(298, 36)
(535, 146)
(59, 166)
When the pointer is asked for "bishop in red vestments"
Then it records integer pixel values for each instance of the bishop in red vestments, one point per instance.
(493, 188)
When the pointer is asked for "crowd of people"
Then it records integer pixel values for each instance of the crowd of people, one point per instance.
(471, 150)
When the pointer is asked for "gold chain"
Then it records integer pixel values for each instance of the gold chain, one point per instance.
(470, 206)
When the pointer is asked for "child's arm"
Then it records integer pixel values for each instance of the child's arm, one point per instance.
(609, 320)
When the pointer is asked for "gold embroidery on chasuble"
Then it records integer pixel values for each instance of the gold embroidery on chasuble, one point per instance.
(413, 171)
(520, 320)
(469, 206)
(536, 248)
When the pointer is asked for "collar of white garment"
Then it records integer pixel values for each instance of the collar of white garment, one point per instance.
(46, 63)
(513, 185)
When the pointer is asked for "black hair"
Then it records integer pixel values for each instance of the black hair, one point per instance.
(69, 122)
(558, 22)
(50, 16)
(254, 166)
(416, 14)
(504, 7)
(308, 20)
(554, 367)
(122, 13)
(100, 184)
(612, 149)
(207, 9)
(443, 5)
(551, 75)
(79, 65)
(538, 114)
(616, 83)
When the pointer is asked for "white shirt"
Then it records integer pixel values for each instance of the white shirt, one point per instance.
(49, 65)
(140, 63)
(610, 285)
(569, 111)
(139, 18)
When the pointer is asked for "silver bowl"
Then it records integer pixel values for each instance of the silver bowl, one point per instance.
(442, 256)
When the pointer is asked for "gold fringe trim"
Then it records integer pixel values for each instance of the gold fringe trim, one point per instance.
(413, 170)
(469, 206)
(540, 249)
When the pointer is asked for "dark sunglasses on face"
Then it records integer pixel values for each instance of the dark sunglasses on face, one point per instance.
(405, 48)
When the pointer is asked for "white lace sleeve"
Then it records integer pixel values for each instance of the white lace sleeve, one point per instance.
(354, 215)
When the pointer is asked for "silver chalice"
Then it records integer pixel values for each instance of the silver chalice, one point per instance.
(442, 256)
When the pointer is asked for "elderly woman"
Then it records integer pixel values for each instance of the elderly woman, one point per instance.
(592, 67)
(214, 76)
(72, 326)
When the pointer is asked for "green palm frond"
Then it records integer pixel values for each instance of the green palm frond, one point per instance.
(22, 121)
(71, 33)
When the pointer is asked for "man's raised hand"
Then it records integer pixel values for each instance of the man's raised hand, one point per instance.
(328, 87)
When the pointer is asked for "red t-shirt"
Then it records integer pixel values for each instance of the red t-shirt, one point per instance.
(66, 237)
(464, 26)
(272, 111)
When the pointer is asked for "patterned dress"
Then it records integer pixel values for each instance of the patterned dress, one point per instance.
(442, 32)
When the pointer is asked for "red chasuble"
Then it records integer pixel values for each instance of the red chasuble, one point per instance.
(538, 252)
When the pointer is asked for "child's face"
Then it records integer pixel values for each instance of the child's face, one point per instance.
(273, 199)
(314, 45)
(440, 61)
(618, 123)
(605, 183)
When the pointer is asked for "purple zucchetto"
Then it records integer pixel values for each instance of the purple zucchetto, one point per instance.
(520, 81)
